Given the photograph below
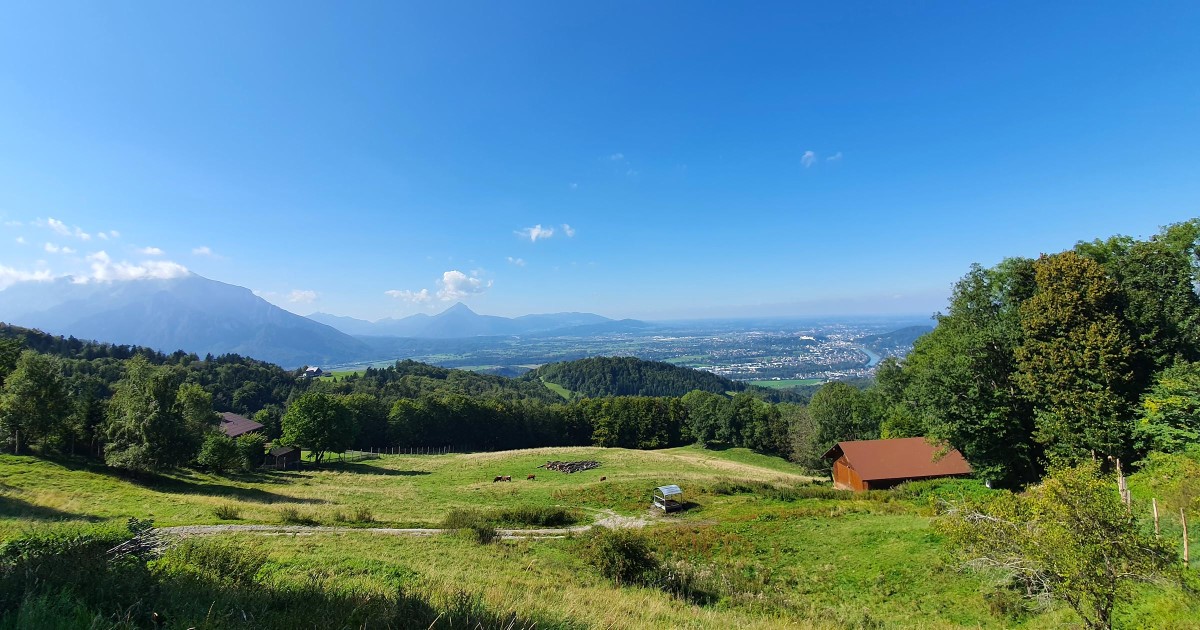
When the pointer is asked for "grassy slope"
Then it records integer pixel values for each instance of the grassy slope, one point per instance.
(804, 563)
(558, 389)
(400, 490)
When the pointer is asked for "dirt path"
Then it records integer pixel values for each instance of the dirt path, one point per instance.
(608, 519)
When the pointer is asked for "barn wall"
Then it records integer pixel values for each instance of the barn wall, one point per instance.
(844, 475)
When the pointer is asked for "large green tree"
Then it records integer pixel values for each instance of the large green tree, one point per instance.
(33, 401)
(320, 423)
(148, 429)
(842, 412)
(960, 378)
(1075, 360)
(1169, 417)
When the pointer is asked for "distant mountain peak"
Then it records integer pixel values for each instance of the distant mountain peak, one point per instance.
(459, 307)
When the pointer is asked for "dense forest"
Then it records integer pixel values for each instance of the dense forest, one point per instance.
(1090, 352)
(629, 376)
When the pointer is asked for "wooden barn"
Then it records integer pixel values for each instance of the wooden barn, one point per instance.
(234, 425)
(880, 464)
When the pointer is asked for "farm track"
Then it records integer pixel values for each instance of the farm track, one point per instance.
(610, 520)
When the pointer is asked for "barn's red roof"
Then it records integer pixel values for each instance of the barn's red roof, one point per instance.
(234, 425)
(903, 458)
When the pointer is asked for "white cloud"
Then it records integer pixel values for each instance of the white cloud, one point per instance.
(58, 226)
(150, 251)
(51, 248)
(10, 276)
(62, 229)
(20, 240)
(535, 232)
(457, 285)
(114, 234)
(808, 159)
(836, 157)
(203, 250)
(105, 270)
(13, 224)
(617, 157)
(302, 296)
(416, 297)
(516, 261)
(568, 230)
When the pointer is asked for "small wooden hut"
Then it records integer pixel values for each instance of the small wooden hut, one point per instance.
(880, 464)
(282, 458)
(667, 498)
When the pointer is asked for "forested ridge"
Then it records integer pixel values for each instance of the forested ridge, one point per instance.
(629, 376)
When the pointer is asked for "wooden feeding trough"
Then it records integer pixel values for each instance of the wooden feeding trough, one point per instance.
(668, 498)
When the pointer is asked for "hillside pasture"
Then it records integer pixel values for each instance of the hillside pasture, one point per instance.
(761, 545)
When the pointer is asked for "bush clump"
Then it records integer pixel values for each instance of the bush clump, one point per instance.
(293, 516)
(623, 556)
(521, 516)
(227, 512)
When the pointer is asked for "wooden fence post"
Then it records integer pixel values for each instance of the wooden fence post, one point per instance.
(1154, 504)
(1183, 519)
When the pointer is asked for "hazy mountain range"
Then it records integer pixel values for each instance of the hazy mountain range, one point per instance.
(458, 321)
(205, 316)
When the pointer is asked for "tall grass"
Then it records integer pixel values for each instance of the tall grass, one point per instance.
(65, 578)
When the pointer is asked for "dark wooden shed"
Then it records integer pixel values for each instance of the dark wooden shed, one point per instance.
(880, 464)
(282, 458)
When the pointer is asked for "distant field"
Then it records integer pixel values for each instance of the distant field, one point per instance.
(784, 384)
(343, 373)
(558, 389)
(687, 359)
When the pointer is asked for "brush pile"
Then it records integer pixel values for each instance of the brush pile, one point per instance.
(570, 467)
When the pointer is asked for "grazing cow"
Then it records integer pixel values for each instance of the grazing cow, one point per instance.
(498, 478)
(508, 477)
(531, 477)
(604, 479)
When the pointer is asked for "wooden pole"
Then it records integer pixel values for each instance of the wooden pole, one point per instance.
(1154, 504)
(1183, 519)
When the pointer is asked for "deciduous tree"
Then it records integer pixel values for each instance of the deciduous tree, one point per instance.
(33, 401)
(320, 423)
(1074, 361)
(1069, 538)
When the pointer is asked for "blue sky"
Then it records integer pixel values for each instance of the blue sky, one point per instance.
(709, 159)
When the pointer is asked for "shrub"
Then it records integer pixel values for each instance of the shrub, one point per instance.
(622, 555)
(213, 561)
(227, 512)
(219, 453)
(461, 519)
(362, 514)
(291, 515)
(483, 533)
(252, 447)
(534, 515)
(521, 516)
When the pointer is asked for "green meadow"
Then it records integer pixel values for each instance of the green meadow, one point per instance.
(769, 545)
(787, 383)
